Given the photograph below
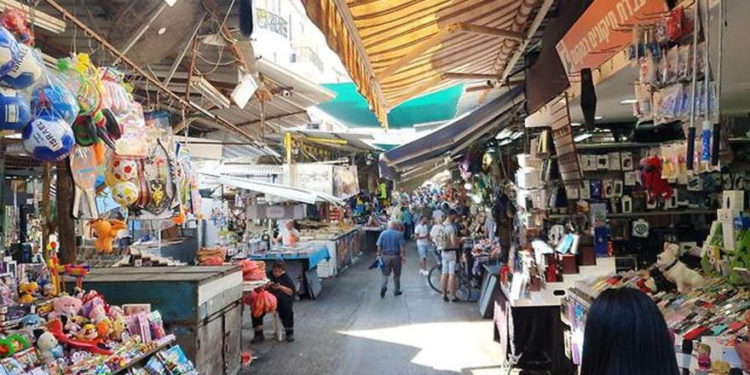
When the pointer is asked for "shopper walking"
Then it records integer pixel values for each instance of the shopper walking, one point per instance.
(625, 334)
(422, 234)
(407, 217)
(281, 286)
(392, 251)
(450, 257)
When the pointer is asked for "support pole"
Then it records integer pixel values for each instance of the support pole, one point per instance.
(66, 228)
(46, 209)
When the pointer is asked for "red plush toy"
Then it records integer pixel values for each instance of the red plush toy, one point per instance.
(655, 185)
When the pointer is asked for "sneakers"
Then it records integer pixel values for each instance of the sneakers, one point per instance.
(398, 293)
(424, 272)
(455, 299)
(382, 292)
(445, 297)
(259, 337)
(290, 337)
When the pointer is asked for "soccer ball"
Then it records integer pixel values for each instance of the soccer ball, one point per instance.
(125, 193)
(54, 100)
(9, 51)
(26, 72)
(14, 110)
(124, 169)
(48, 138)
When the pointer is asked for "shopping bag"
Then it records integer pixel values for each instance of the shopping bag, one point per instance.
(378, 263)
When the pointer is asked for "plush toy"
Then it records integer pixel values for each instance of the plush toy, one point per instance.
(675, 271)
(88, 333)
(65, 306)
(106, 231)
(104, 329)
(31, 322)
(655, 185)
(48, 346)
(27, 290)
(118, 327)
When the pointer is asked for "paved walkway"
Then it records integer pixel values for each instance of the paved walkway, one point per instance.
(351, 330)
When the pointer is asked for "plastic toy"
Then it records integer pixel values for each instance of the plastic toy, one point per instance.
(32, 321)
(55, 326)
(48, 346)
(19, 342)
(7, 348)
(106, 231)
(48, 138)
(27, 290)
(124, 169)
(15, 113)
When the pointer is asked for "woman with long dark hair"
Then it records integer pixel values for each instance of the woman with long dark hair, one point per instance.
(626, 335)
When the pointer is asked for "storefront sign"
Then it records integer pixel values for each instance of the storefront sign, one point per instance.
(263, 211)
(345, 181)
(602, 31)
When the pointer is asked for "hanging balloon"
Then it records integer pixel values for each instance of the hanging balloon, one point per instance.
(56, 100)
(125, 193)
(14, 110)
(26, 72)
(10, 51)
(48, 138)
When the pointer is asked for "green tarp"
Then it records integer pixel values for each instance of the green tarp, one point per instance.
(350, 108)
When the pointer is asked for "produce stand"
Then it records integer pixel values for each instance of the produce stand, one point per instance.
(200, 305)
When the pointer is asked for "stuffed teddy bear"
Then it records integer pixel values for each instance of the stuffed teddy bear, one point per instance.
(68, 307)
(106, 231)
(48, 346)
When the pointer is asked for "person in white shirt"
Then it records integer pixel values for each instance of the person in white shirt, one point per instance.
(422, 234)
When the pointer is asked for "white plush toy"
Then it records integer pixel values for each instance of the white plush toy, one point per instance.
(675, 271)
(49, 348)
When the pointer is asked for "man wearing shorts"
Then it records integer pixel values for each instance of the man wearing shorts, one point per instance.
(450, 257)
(422, 234)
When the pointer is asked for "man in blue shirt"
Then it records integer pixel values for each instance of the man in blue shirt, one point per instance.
(392, 251)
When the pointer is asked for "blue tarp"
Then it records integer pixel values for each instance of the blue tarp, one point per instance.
(449, 136)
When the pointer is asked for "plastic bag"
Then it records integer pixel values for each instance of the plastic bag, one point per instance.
(50, 96)
(133, 141)
(114, 95)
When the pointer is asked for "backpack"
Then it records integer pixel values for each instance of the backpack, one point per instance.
(440, 237)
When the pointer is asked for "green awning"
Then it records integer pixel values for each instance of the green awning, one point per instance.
(351, 109)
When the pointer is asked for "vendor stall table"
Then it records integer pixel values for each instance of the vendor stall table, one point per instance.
(371, 238)
(301, 264)
(200, 305)
(530, 330)
(343, 250)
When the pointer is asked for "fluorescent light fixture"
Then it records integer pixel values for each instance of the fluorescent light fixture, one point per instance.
(210, 92)
(582, 137)
(598, 117)
(171, 3)
(506, 142)
(244, 90)
(628, 101)
(505, 133)
(516, 135)
(37, 17)
(575, 124)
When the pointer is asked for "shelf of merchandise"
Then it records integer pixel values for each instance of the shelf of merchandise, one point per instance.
(613, 145)
(145, 356)
(639, 214)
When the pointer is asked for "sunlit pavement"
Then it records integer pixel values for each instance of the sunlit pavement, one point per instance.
(351, 330)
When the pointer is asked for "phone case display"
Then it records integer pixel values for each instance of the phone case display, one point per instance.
(712, 320)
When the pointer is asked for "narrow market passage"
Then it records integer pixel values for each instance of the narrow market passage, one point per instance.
(351, 330)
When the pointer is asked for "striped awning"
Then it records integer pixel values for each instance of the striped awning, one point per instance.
(398, 49)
